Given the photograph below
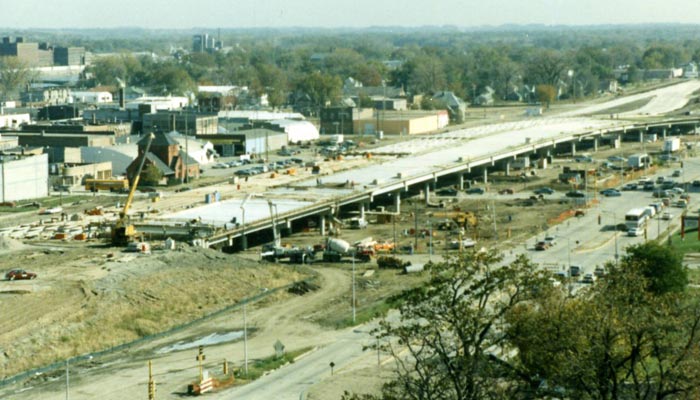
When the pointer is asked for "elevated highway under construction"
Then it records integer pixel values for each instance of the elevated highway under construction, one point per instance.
(415, 166)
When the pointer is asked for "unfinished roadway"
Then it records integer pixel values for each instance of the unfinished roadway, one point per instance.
(420, 164)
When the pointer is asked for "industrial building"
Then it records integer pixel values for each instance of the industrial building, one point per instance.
(70, 174)
(23, 178)
(13, 121)
(255, 141)
(402, 122)
(188, 123)
(32, 54)
(341, 119)
(69, 55)
(203, 43)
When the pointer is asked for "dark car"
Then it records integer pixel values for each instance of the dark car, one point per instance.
(541, 245)
(476, 190)
(506, 191)
(611, 193)
(630, 186)
(17, 274)
(575, 193)
(544, 190)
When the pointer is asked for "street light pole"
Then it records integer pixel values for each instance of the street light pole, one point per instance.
(353, 290)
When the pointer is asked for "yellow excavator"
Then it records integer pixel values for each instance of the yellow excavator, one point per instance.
(124, 231)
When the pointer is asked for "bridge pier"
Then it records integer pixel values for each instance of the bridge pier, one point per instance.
(244, 241)
(427, 192)
(461, 181)
(229, 240)
(663, 133)
(322, 224)
(573, 149)
(486, 175)
(595, 145)
(641, 136)
(397, 202)
(361, 208)
(507, 168)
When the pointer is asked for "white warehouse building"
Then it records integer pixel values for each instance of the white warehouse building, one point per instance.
(297, 131)
(24, 178)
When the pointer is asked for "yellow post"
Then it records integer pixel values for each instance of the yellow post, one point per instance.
(151, 383)
(225, 367)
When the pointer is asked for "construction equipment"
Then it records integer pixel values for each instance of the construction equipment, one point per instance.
(463, 219)
(124, 230)
(113, 185)
(337, 249)
(296, 255)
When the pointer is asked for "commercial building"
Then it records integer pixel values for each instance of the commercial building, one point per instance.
(402, 122)
(13, 121)
(204, 43)
(32, 54)
(68, 55)
(188, 123)
(74, 174)
(23, 178)
(342, 119)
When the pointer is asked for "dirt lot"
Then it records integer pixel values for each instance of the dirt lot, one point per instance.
(91, 298)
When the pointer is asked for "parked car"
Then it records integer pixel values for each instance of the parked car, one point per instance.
(541, 245)
(667, 215)
(611, 193)
(630, 186)
(617, 159)
(550, 240)
(476, 190)
(677, 173)
(599, 271)
(696, 183)
(583, 159)
(575, 270)
(506, 191)
(588, 279)
(17, 274)
(543, 190)
(575, 193)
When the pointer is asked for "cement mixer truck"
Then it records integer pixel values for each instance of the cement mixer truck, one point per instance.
(338, 249)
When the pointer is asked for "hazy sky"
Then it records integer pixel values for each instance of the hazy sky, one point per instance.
(332, 13)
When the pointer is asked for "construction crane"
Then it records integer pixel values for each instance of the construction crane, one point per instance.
(124, 230)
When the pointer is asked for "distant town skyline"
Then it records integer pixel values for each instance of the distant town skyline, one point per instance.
(329, 13)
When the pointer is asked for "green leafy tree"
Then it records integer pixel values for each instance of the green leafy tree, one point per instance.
(546, 67)
(661, 265)
(151, 176)
(321, 87)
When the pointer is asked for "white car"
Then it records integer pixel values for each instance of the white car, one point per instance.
(635, 232)
(667, 216)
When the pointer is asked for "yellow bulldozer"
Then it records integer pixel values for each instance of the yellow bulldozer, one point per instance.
(459, 219)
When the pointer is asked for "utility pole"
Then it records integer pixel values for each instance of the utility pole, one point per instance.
(353, 290)
(67, 379)
(415, 225)
(245, 341)
(187, 149)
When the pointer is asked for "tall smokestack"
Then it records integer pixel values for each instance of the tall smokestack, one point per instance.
(122, 97)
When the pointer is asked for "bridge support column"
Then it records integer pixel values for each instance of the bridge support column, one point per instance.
(244, 242)
(595, 144)
(486, 175)
(427, 192)
(322, 224)
(641, 136)
(461, 182)
(663, 134)
(362, 210)
(507, 168)
(229, 241)
(397, 202)
(573, 149)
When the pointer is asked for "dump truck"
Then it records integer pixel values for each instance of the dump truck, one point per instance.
(338, 249)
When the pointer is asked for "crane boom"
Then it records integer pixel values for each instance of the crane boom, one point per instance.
(123, 230)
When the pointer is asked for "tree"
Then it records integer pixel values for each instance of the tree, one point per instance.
(546, 67)
(661, 265)
(428, 75)
(14, 75)
(453, 329)
(151, 175)
(614, 341)
(322, 88)
(546, 94)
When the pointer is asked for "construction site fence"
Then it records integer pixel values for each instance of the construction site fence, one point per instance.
(95, 355)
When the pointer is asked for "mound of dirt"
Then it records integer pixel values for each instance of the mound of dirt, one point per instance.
(9, 244)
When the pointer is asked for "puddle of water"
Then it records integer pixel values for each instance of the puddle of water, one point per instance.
(214, 338)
